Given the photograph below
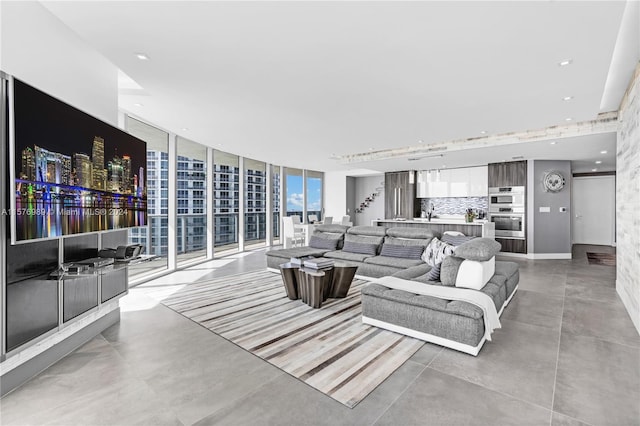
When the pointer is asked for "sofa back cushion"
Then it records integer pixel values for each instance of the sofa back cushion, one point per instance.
(364, 244)
(413, 233)
(374, 231)
(322, 242)
(449, 270)
(422, 242)
(456, 240)
(333, 228)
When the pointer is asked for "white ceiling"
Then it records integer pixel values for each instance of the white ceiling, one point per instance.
(294, 83)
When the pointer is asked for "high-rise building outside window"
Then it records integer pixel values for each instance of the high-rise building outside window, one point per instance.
(153, 237)
(226, 197)
(255, 204)
(191, 230)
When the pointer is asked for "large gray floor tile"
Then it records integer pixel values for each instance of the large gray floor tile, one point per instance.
(562, 420)
(598, 382)
(548, 283)
(519, 361)
(607, 321)
(535, 308)
(288, 401)
(436, 398)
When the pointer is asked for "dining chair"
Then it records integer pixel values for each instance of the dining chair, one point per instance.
(296, 236)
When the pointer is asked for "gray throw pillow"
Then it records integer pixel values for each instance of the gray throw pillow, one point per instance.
(478, 249)
(360, 248)
(449, 270)
(456, 240)
(405, 252)
(323, 243)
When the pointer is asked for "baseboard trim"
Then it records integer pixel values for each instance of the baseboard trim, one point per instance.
(509, 254)
(29, 369)
(548, 256)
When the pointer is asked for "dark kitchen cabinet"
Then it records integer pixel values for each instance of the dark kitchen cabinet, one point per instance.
(513, 173)
(400, 195)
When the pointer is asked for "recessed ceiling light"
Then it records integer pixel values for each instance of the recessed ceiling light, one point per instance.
(594, 170)
(603, 152)
(598, 162)
(142, 56)
(565, 62)
(553, 142)
(444, 166)
(185, 128)
(420, 141)
(483, 132)
(371, 149)
(568, 119)
(567, 98)
(138, 104)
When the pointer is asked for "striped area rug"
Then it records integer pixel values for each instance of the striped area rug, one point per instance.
(327, 348)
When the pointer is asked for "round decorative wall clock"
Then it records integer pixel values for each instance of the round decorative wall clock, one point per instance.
(553, 181)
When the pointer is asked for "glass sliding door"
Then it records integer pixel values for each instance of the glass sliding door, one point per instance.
(313, 197)
(226, 196)
(294, 193)
(255, 195)
(276, 173)
(153, 237)
(191, 231)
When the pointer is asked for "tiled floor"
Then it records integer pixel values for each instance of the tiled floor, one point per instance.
(567, 354)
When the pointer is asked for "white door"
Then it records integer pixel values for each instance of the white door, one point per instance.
(594, 210)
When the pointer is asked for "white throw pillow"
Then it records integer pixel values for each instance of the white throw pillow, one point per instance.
(436, 251)
(475, 274)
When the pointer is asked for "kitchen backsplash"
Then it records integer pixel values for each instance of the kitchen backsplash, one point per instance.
(453, 205)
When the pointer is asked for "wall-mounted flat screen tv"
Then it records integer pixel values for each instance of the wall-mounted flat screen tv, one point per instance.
(72, 173)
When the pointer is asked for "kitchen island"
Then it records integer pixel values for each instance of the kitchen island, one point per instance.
(477, 228)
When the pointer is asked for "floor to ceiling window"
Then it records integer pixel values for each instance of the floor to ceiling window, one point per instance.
(314, 193)
(276, 172)
(294, 192)
(255, 194)
(191, 197)
(226, 196)
(153, 237)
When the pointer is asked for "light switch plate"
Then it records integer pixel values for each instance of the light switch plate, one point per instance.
(545, 209)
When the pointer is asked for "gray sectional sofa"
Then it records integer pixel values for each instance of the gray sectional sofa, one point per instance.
(452, 323)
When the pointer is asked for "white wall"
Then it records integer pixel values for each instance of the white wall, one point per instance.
(365, 186)
(335, 194)
(628, 201)
(40, 50)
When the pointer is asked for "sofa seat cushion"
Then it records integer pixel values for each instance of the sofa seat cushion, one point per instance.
(496, 293)
(422, 301)
(413, 272)
(393, 261)
(297, 252)
(506, 269)
(345, 255)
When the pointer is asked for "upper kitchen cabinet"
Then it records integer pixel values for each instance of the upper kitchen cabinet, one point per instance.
(478, 181)
(462, 182)
(400, 195)
(513, 173)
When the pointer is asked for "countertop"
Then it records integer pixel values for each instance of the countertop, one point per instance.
(444, 221)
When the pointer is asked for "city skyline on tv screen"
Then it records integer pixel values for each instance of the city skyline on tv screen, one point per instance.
(72, 172)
